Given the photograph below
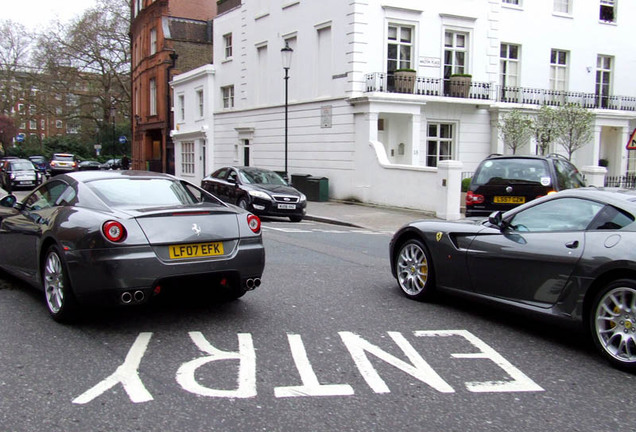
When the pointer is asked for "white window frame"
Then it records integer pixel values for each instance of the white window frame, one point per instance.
(187, 157)
(506, 63)
(200, 103)
(454, 49)
(153, 41)
(607, 5)
(562, 7)
(181, 107)
(33, 124)
(603, 80)
(438, 140)
(559, 69)
(152, 94)
(227, 46)
(59, 124)
(227, 93)
(404, 51)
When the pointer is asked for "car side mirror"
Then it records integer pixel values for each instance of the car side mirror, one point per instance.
(8, 201)
(496, 219)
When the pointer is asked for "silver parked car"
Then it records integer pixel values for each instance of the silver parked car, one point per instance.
(114, 237)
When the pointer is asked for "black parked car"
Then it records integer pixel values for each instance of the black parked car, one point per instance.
(111, 164)
(17, 173)
(89, 165)
(259, 190)
(569, 255)
(504, 182)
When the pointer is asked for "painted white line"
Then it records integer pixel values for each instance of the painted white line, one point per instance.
(311, 386)
(126, 374)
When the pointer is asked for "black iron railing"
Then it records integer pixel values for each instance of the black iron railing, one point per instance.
(627, 181)
(386, 82)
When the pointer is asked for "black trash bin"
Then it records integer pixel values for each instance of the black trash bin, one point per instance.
(299, 181)
(318, 189)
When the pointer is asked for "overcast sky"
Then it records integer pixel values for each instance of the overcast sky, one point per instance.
(37, 14)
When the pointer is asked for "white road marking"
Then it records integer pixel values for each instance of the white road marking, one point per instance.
(418, 368)
(311, 386)
(126, 374)
(246, 383)
(520, 381)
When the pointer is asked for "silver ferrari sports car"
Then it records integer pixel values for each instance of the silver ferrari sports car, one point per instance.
(121, 237)
(569, 255)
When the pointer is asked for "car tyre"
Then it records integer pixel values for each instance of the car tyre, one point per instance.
(295, 218)
(612, 323)
(242, 203)
(58, 293)
(414, 270)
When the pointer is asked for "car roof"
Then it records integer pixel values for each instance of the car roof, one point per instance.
(86, 176)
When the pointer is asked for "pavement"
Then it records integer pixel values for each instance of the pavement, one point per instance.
(366, 216)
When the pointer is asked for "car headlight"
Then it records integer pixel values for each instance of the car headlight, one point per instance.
(302, 198)
(259, 194)
(12, 176)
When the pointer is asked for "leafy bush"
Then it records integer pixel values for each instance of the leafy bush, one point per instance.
(466, 184)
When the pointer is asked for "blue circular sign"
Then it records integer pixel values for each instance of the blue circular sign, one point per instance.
(123, 140)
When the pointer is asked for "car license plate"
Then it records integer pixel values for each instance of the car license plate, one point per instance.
(196, 250)
(287, 206)
(509, 200)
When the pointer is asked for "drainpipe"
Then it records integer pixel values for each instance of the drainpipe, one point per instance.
(173, 61)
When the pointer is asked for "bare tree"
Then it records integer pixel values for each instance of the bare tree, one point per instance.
(86, 62)
(576, 128)
(546, 127)
(7, 131)
(14, 55)
(515, 130)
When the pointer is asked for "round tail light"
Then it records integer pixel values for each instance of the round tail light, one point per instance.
(114, 231)
(254, 223)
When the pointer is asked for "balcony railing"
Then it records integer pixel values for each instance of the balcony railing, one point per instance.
(383, 82)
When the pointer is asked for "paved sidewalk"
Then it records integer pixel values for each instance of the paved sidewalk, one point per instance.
(377, 218)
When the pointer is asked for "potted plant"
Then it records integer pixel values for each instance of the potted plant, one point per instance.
(404, 80)
(460, 85)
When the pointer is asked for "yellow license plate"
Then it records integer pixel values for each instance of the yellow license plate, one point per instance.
(196, 250)
(509, 200)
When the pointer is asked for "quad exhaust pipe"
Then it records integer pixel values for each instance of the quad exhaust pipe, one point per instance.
(128, 297)
(252, 283)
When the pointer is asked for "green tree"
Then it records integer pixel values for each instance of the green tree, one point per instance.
(576, 127)
(515, 130)
(546, 128)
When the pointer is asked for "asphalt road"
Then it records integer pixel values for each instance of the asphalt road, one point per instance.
(327, 342)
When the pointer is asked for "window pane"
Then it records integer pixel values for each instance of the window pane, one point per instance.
(405, 34)
(392, 33)
(432, 130)
(461, 41)
(448, 39)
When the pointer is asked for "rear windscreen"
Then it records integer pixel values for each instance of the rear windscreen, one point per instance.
(513, 170)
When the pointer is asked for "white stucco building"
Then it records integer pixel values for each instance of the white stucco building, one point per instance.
(351, 120)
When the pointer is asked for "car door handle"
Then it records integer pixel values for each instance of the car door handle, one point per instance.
(572, 245)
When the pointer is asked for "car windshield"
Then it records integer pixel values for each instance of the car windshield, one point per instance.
(513, 170)
(258, 176)
(131, 192)
(22, 166)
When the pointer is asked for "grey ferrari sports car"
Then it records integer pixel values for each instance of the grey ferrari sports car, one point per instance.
(569, 255)
(122, 237)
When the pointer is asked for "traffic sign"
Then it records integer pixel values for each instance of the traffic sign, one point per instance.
(631, 144)
(123, 140)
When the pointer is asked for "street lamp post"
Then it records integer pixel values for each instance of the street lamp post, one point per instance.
(113, 112)
(286, 54)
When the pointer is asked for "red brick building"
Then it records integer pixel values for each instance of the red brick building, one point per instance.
(168, 37)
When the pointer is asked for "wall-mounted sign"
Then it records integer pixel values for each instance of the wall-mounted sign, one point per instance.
(631, 144)
(430, 62)
(325, 116)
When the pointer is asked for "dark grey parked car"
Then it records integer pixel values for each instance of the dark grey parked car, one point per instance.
(115, 238)
(569, 255)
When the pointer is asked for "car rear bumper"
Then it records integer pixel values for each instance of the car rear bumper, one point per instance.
(102, 276)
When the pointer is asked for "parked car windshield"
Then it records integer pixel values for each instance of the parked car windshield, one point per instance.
(514, 170)
(22, 166)
(260, 176)
(127, 192)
